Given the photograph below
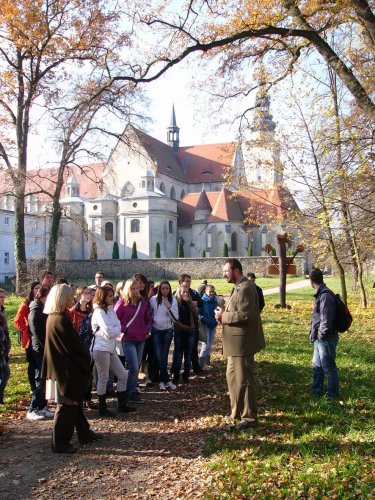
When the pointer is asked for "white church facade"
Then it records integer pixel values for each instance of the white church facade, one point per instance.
(149, 191)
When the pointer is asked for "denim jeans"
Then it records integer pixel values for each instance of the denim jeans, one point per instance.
(133, 354)
(183, 347)
(38, 399)
(161, 340)
(206, 348)
(324, 363)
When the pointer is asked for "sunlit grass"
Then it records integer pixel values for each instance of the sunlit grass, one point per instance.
(304, 447)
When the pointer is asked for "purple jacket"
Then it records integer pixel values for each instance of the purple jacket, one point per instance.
(140, 327)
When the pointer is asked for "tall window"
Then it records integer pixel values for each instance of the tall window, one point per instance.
(182, 194)
(162, 187)
(170, 225)
(173, 193)
(108, 229)
(6, 258)
(135, 226)
(233, 242)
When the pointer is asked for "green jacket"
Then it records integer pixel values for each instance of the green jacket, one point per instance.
(242, 326)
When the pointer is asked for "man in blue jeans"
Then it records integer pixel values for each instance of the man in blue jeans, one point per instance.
(325, 338)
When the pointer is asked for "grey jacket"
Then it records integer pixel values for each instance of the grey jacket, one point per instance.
(323, 317)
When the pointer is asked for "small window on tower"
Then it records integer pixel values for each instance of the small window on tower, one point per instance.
(108, 229)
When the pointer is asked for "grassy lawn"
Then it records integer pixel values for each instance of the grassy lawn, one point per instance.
(304, 447)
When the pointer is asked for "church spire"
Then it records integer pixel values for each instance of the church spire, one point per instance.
(263, 121)
(173, 132)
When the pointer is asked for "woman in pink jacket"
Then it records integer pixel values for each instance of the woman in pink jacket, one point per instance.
(134, 314)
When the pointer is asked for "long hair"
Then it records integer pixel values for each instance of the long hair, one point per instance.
(42, 292)
(178, 293)
(79, 292)
(57, 299)
(126, 293)
(100, 297)
(30, 295)
(119, 287)
(142, 277)
(159, 296)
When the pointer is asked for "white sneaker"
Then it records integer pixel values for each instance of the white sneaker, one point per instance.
(162, 386)
(47, 413)
(171, 386)
(35, 415)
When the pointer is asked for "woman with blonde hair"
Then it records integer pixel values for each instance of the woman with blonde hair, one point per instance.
(135, 317)
(107, 327)
(67, 362)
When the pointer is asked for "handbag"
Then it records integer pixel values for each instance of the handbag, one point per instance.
(119, 346)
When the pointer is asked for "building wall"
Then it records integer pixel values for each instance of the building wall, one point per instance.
(164, 268)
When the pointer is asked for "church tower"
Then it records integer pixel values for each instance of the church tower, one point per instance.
(173, 132)
(262, 151)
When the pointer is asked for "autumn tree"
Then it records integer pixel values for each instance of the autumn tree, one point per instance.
(281, 32)
(44, 45)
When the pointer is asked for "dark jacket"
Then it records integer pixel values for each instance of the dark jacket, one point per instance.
(207, 311)
(66, 360)
(37, 326)
(187, 317)
(323, 317)
(260, 297)
(4, 343)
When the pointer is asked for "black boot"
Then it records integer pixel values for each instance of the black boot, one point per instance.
(103, 410)
(84, 433)
(123, 400)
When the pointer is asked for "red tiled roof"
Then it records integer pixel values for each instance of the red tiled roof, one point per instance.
(206, 162)
(226, 208)
(203, 202)
(166, 158)
(187, 206)
(42, 181)
(255, 206)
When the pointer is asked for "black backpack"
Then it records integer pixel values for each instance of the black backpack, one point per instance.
(343, 318)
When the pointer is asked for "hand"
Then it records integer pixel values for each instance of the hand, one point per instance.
(167, 304)
(218, 314)
(195, 303)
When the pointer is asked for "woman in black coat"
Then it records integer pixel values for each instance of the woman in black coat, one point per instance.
(37, 329)
(66, 361)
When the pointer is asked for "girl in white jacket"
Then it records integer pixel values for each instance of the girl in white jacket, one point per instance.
(106, 328)
(164, 312)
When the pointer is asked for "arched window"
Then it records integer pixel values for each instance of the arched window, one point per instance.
(127, 190)
(233, 242)
(108, 231)
(170, 226)
(182, 194)
(162, 187)
(135, 226)
(173, 193)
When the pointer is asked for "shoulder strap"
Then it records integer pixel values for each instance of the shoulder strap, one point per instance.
(135, 314)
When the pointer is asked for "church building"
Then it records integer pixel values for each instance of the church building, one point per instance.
(150, 191)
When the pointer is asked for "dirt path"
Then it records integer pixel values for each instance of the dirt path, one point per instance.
(290, 286)
(154, 452)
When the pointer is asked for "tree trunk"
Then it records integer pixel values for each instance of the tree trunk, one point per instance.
(19, 240)
(54, 236)
(282, 271)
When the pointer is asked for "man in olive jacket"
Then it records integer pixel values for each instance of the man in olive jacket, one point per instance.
(242, 339)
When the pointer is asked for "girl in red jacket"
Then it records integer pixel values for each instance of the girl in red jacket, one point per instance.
(21, 322)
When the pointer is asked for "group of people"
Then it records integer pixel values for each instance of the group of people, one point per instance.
(105, 333)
